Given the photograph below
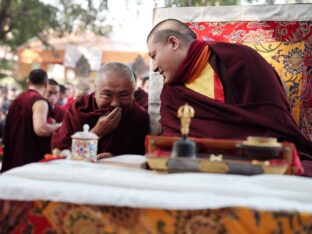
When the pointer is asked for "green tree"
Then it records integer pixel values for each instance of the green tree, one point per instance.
(21, 20)
(90, 15)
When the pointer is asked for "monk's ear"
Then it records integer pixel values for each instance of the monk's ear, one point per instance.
(174, 42)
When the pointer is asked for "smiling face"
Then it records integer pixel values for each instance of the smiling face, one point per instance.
(112, 91)
(166, 57)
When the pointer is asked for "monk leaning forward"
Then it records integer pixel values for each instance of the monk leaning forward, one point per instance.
(234, 91)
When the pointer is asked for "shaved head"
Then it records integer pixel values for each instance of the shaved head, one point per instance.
(121, 70)
(168, 44)
(114, 87)
(171, 27)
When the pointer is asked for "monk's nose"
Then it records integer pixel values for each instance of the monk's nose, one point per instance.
(155, 68)
(115, 102)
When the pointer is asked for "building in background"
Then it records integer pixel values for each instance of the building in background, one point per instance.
(59, 58)
(130, 22)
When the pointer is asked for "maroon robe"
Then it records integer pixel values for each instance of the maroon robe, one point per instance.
(128, 138)
(141, 97)
(59, 113)
(255, 101)
(21, 144)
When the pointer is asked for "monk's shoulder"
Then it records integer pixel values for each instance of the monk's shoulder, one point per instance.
(83, 103)
(227, 46)
(30, 97)
(233, 51)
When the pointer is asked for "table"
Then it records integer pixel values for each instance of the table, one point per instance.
(117, 196)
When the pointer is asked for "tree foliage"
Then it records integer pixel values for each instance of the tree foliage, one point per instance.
(88, 15)
(21, 20)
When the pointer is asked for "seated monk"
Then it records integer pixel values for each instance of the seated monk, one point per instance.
(27, 131)
(111, 113)
(234, 91)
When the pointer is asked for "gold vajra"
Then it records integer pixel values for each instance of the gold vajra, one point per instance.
(185, 113)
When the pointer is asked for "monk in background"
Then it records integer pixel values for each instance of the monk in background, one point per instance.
(140, 95)
(52, 95)
(62, 97)
(27, 131)
(234, 91)
(111, 113)
(70, 95)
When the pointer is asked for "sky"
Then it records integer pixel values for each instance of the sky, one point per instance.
(131, 19)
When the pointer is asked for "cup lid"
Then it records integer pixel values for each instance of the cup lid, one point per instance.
(85, 134)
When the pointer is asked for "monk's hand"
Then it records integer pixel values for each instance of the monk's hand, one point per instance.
(103, 155)
(107, 123)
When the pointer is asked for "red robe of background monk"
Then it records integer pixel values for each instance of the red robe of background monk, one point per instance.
(28, 131)
(141, 97)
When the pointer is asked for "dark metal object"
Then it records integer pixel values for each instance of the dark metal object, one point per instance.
(184, 148)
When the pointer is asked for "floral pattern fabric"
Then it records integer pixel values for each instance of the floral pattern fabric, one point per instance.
(56, 217)
(287, 46)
